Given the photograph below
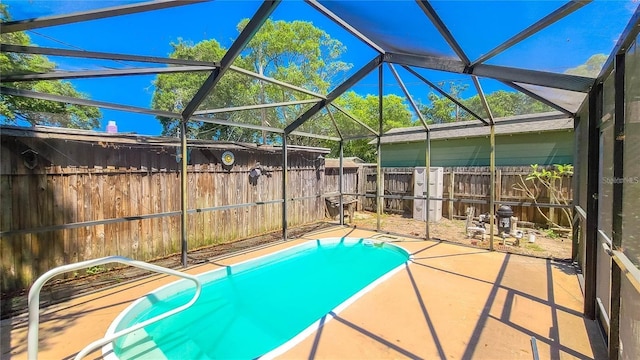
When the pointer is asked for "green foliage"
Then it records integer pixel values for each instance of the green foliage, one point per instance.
(395, 113)
(174, 91)
(502, 103)
(34, 111)
(547, 182)
(551, 234)
(443, 110)
(94, 270)
(546, 175)
(591, 68)
(294, 52)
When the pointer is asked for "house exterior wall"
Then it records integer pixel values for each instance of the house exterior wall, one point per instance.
(545, 148)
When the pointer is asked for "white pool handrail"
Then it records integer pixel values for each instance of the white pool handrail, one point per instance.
(34, 301)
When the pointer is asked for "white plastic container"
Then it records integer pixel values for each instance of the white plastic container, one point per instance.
(112, 128)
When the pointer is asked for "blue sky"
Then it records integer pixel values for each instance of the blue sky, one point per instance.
(479, 26)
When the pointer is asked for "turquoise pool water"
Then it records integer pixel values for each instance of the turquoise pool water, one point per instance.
(249, 309)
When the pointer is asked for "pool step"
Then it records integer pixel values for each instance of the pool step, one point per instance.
(139, 345)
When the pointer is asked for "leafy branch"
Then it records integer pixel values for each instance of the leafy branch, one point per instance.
(541, 181)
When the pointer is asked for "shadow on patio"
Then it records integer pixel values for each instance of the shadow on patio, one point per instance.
(455, 302)
(448, 302)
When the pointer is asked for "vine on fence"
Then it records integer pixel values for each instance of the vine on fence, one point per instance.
(540, 181)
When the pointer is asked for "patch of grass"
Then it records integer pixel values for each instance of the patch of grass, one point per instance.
(533, 246)
(96, 270)
(551, 234)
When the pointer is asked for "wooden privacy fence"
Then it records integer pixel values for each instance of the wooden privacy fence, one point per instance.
(398, 182)
(465, 187)
(474, 182)
(72, 198)
(352, 183)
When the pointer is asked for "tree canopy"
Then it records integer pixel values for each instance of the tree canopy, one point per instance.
(295, 52)
(303, 55)
(502, 103)
(441, 109)
(300, 54)
(590, 68)
(35, 111)
(395, 113)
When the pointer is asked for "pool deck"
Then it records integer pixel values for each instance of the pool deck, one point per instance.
(449, 302)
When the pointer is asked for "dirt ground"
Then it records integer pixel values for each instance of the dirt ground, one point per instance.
(545, 246)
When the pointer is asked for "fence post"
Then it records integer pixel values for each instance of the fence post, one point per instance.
(498, 184)
(451, 195)
(552, 200)
(340, 185)
(285, 178)
(361, 180)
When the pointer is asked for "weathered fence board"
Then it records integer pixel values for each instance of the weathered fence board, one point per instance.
(469, 183)
(80, 181)
(397, 181)
(473, 183)
(104, 179)
(351, 183)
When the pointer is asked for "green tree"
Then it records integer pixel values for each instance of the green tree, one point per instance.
(297, 53)
(591, 68)
(395, 113)
(174, 91)
(34, 111)
(294, 52)
(502, 103)
(505, 103)
(441, 109)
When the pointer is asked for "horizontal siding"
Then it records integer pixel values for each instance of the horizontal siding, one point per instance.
(403, 155)
(543, 149)
(511, 150)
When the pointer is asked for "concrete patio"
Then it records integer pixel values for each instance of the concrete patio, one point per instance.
(449, 302)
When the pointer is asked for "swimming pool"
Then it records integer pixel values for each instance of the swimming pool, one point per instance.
(258, 307)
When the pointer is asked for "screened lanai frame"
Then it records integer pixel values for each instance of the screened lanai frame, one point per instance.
(550, 88)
